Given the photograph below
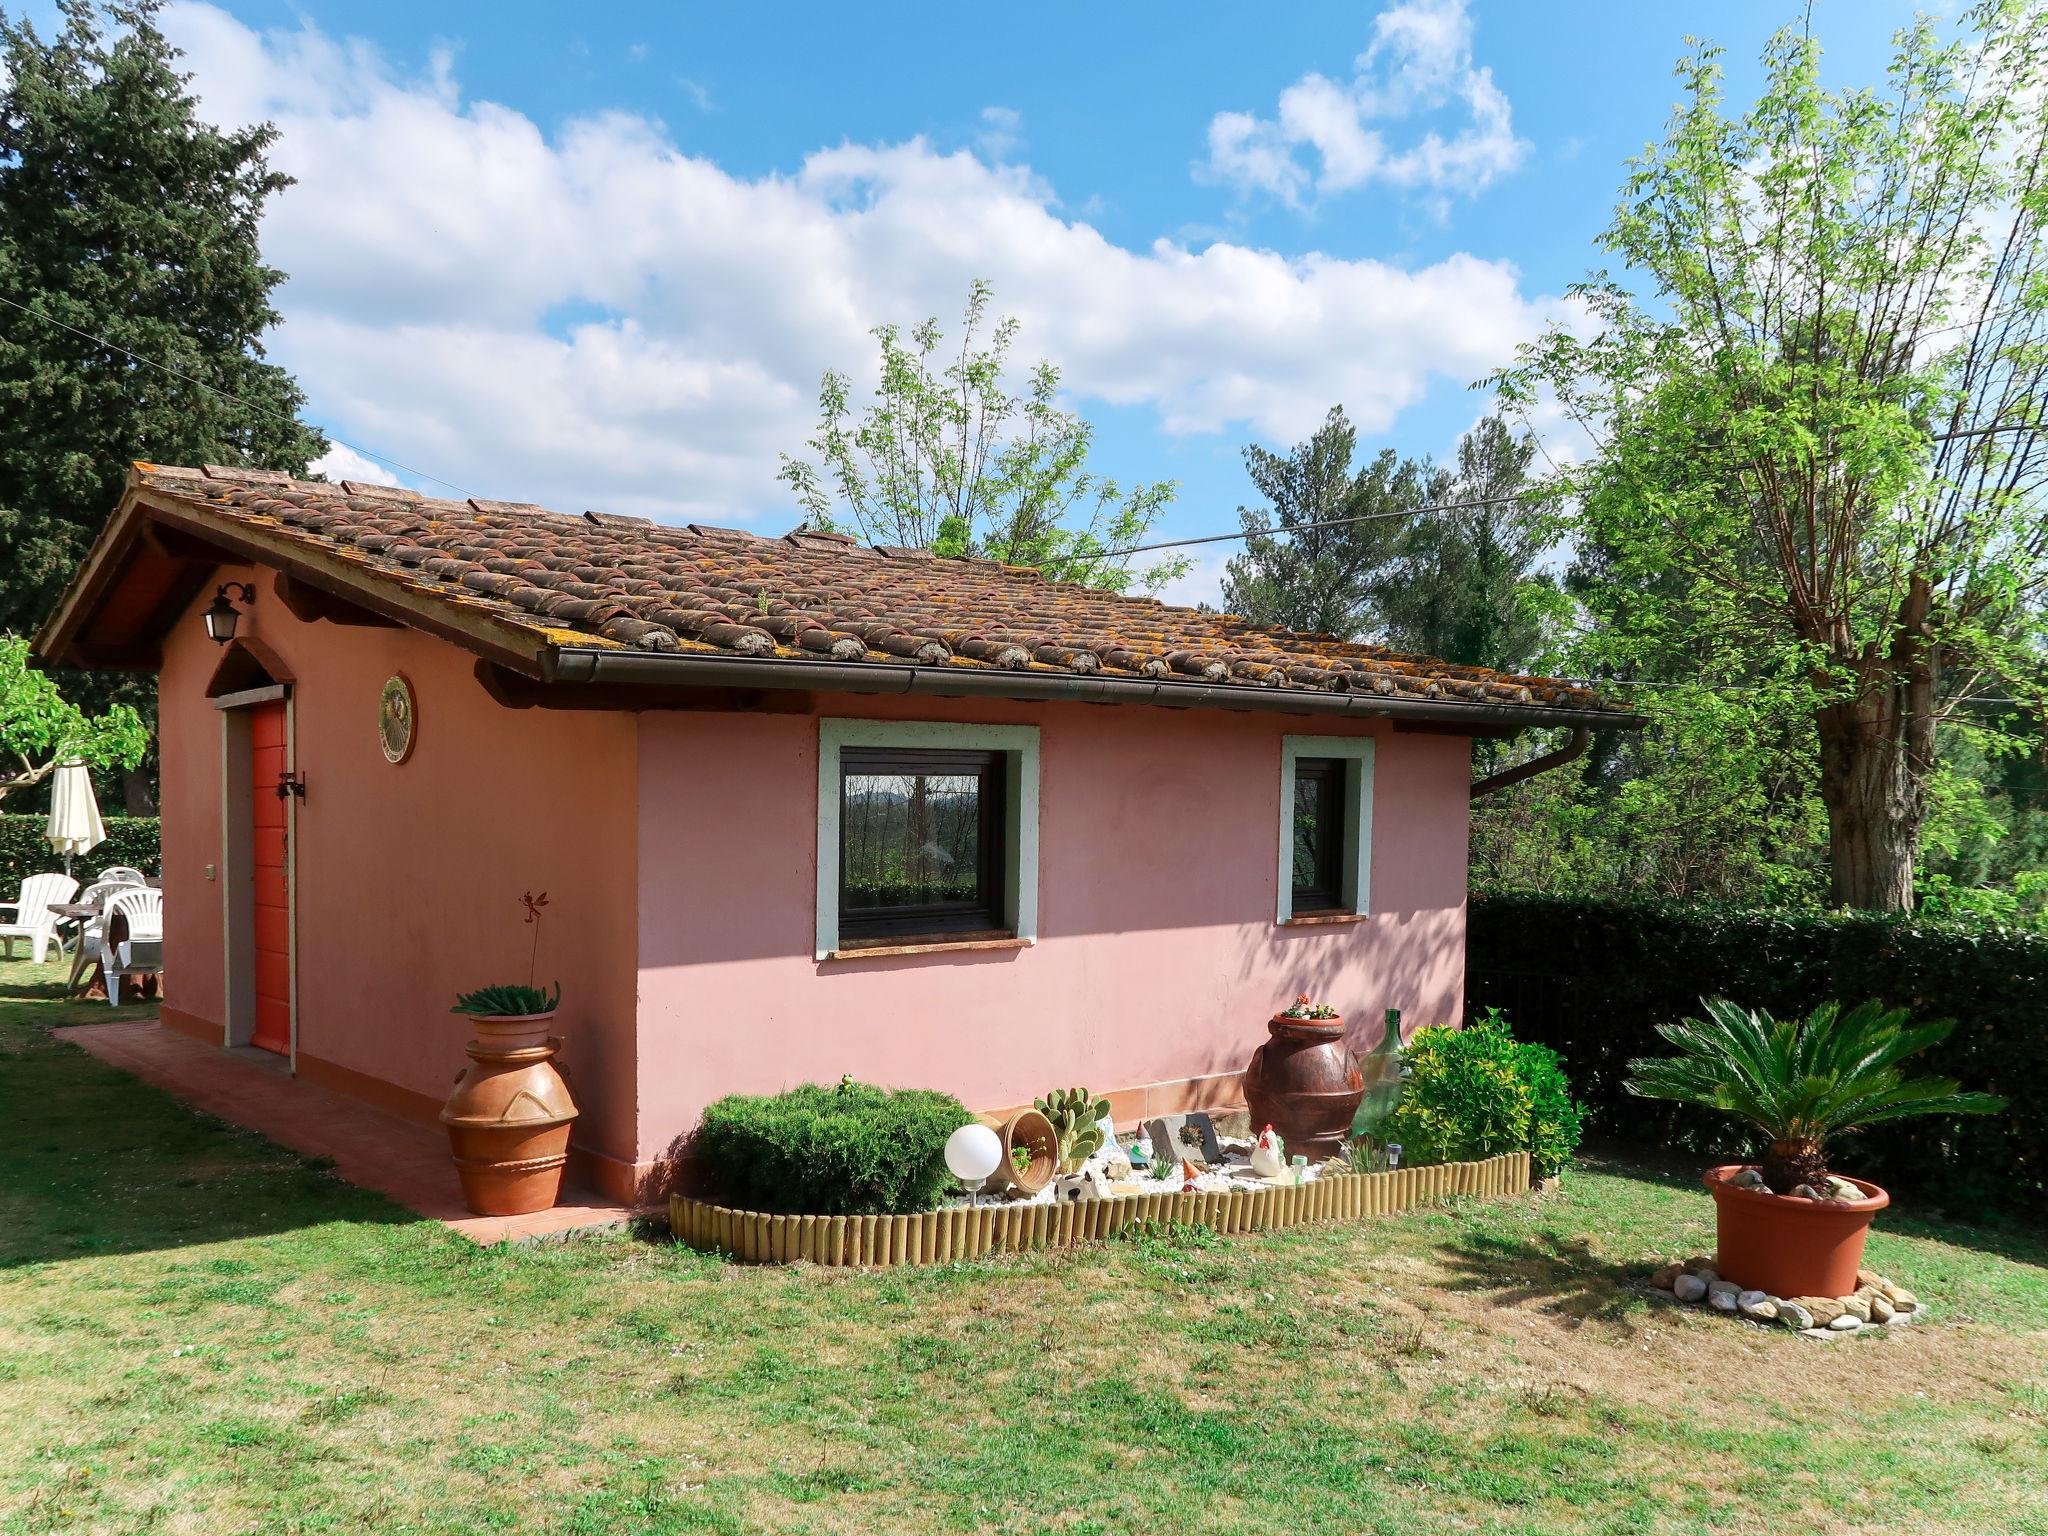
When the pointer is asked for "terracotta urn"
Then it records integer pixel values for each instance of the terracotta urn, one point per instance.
(1305, 1084)
(1031, 1130)
(508, 1117)
(1788, 1245)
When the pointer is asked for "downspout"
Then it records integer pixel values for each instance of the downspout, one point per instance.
(1574, 747)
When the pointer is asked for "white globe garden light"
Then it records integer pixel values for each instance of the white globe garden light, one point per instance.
(973, 1153)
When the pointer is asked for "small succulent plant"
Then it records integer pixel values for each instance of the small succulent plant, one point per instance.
(1302, 1008)
(1074, 1113)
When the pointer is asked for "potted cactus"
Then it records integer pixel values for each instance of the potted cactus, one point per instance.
(1076, 1116)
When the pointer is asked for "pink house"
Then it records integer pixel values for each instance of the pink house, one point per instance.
(801, 807)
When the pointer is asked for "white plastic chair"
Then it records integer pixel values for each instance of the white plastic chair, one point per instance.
(141, 951)
(33, 919)
(87, 930)
(121, 874)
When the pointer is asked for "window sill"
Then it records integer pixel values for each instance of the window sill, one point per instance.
(1321, 919)
(966, 942)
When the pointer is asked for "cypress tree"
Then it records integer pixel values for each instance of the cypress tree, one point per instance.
(126, 217)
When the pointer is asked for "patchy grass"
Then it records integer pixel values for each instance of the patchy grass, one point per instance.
(201, 1332)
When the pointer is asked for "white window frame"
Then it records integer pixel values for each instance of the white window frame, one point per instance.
(1019, 746)
(1357, 874)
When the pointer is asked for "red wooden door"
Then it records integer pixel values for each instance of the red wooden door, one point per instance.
(272, 898)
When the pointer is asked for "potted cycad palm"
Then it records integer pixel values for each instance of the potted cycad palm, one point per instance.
(1787, 1225)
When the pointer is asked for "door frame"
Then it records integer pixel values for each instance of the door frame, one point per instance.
(237, 866)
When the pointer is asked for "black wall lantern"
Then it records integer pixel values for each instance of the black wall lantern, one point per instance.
(220, 614)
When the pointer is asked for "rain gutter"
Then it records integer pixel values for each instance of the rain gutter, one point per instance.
(667, 669)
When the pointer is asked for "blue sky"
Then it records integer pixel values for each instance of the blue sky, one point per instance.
(596, 256)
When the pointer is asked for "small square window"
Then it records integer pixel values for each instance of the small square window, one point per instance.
(921, 837)
(1318, 834)
(1325, 828)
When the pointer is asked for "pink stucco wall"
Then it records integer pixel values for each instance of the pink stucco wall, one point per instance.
(1158, 956)
(408, 876)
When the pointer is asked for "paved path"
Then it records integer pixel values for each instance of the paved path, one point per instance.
(370, 1147)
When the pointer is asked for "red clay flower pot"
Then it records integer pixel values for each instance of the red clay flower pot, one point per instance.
(1030, 1129)
(1788, 1245)
(1306, 1085)
(508, 1118)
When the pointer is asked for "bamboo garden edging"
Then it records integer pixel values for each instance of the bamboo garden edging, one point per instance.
(969, 1232)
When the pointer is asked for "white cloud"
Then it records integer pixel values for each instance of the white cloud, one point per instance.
(1201, 582)
(594, 318)
(341, 462)
(1419, 63)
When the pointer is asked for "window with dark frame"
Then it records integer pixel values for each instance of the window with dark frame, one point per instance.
(921, 843)
(1318, 835)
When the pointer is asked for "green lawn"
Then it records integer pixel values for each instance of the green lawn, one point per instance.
(199, 1332)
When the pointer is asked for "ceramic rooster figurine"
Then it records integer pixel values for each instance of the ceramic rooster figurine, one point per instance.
(1269, 1156)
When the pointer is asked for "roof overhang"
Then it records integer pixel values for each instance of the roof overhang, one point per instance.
(158, 553)
(569, 668)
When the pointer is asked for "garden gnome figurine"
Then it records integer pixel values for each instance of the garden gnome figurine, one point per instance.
(1269, 1156)
(1187, 1176)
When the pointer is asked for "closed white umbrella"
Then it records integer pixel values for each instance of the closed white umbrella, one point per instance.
(75, 826)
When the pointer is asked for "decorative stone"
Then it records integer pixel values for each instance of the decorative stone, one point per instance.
(1688, 1287)
(1847, 1323)
(1699, 1264)
(1881, 1308)
(1902, 1298)
(1764, 1308)
(1749, 1178)
(1805, 1192)
(1840, 1188)
(1721, 1297)
(1115, 1162)
(1662, 1278)
(1794, 1315)
(1899, 1320)
(1823, 1309)
(1175, 1137)
(1857, 1307)
(1825, 1335)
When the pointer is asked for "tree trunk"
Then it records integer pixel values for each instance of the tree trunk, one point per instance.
(138, 794)
(1875, 753)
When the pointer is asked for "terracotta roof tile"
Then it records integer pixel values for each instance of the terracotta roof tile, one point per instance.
(808, 595)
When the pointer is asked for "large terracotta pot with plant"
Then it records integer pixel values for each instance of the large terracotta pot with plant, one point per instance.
(1786, 1225)
(1304, 1082)
(509, 1113)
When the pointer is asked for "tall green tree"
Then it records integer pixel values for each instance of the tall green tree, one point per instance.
(1328, 580)
(946, 457)
(40, 728)
(133, 295)
(1819, 403)
(1466, 584)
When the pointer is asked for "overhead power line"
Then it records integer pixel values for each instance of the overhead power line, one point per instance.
(247, 405)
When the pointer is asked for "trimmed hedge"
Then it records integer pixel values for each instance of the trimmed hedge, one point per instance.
(1593, 979)
(850, 1150)
(1477, 1092)
(131, 840)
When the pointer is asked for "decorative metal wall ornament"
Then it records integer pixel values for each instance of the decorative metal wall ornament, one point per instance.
(397, 718)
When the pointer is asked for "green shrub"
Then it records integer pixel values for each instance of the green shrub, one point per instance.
(1595, 980)
(131, 840)
(1478, 1092)
(851, 1150)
